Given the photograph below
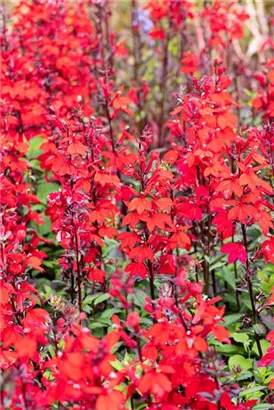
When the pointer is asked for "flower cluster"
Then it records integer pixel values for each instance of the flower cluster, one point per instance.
(136, 209)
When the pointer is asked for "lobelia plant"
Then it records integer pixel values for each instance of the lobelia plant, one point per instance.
(136, 209)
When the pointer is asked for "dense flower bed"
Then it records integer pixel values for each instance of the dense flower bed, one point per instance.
(137, 235)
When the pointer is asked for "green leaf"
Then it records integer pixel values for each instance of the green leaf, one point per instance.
(96, 298)
(51, 351)
(234, 318)
(139, 297)
(101, 298)
(217, 265)
(142, 406)
(249, 93)
(259, 329)
(96, 325)
(108, 314)
(240, 337)
(43, 190)
(34, 145)
(245, 376)
(117, 365)
(45, 228)
(238, 361)
(116, 347)
(127, 359)
(90, 298)
(225, 349)
(252, 390)
(208, 259)
(268, 321)
(48, 375)
(264, 345)
(228, 276)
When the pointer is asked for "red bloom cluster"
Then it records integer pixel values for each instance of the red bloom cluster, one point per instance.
(143, 204)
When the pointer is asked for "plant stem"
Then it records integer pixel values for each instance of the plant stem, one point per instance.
(237, 295)
(136, 38)
(137, 52)
(250, 290)
(78, 274)
(163, 84)
(72, 286)
(179, 311)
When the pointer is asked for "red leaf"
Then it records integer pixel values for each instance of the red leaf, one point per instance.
(141, 253)
(136, 268)
(96, 275)
(155, 383)
(26, 347)
(221, 333)
(268, 250)
(77, 147)
(164, 204)
(111, 401)
(235, 251)
(140, 204)
(35, 263)
(4, 295)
